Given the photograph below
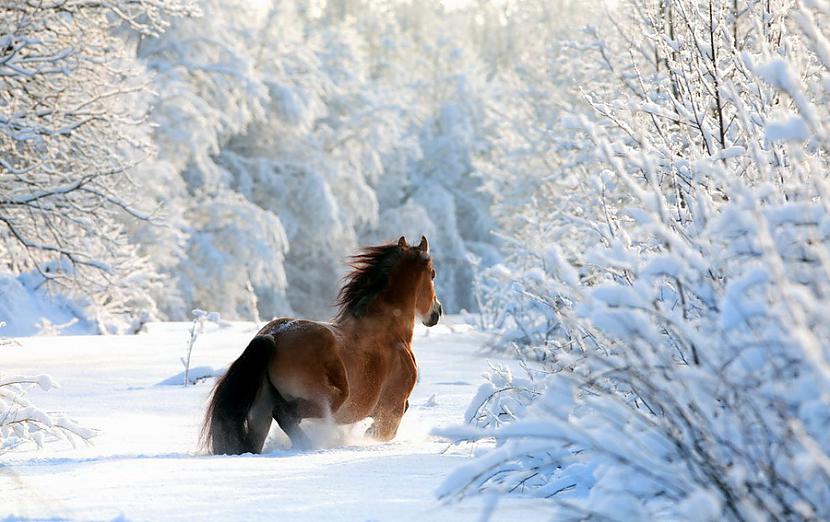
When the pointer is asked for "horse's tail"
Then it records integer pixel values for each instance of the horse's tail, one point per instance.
(225, 429)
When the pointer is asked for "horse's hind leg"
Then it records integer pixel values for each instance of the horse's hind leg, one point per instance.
(259, 419)
(324, 396)
(286, 415)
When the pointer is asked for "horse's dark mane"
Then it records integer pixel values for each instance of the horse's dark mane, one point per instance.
(370, 275)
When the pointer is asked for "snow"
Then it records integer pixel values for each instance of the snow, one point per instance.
(193, 376)
(793, 128)
(777, 72)
(27, 309)
(144, 463)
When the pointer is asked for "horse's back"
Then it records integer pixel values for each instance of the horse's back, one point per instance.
(292, 327)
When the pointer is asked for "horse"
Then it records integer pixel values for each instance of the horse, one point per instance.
(358, 365)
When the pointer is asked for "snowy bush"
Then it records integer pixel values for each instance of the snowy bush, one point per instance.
(504, 398)
(687, 377)
(21, 422)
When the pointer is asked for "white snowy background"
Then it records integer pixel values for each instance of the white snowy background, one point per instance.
(625, 203)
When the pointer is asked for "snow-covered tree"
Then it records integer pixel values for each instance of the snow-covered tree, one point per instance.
(70, 139)
(680, 267)
(317, 116)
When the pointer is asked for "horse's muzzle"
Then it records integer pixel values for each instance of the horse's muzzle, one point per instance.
(435, 314)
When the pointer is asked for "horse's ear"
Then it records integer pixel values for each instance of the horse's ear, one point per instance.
(402, 242)
(424, 246)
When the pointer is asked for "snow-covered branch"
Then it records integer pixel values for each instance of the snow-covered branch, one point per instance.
(21, 422)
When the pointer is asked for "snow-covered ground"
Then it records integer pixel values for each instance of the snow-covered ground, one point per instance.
(145, 464)
(27, 309)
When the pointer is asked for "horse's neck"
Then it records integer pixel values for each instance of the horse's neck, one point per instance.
(387, 329)
(401, 329)
(399, 311)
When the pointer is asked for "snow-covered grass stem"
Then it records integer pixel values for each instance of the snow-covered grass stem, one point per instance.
(197, 326)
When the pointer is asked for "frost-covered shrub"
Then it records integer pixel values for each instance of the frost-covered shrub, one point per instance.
(690, 373)
(519, 300)
(504, 398)
(723, 396)
(21, 422)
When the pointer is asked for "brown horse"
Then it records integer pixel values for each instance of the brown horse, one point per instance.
(360, 365)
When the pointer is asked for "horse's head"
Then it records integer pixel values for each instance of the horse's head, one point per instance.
(427, 306)
(384, 278)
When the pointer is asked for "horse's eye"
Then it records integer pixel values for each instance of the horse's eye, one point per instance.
(433, 273)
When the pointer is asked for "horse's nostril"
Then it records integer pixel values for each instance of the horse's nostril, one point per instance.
(440, 309)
